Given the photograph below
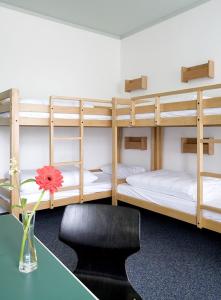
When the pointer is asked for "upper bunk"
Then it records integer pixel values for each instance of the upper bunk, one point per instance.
(175, 108)
(66, 111)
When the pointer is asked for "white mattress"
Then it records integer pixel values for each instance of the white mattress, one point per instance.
(69, 103)
(169, 201)
(173, 114)
(102, 184)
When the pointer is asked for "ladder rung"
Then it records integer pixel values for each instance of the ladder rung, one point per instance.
(69, 188)
(67, 163)
(210, 174)
(214, 141)
(210, 208)
(57, 138)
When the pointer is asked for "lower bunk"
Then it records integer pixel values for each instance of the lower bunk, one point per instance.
(170, 203)
(98, 189)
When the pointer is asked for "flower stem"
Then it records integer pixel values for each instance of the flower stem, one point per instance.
(27, 225)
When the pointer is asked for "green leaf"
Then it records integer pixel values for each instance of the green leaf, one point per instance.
(27, 181)
(23, 202)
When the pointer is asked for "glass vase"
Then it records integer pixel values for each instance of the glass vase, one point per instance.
(28, 257)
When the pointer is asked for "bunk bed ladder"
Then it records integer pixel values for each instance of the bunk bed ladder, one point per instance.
(79, 138)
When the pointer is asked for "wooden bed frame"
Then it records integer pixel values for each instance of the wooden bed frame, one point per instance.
(154, 104)
(14, 107)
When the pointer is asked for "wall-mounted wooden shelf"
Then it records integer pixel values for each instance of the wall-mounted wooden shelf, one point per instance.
(139, 143)
(136, 84)
(200, 71)
(189, 145)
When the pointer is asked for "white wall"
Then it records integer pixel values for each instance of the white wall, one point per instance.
(159, 52)
(42, 57)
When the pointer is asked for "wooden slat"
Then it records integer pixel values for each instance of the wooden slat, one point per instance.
(212, 120)
(178, 121)
(144, 109)
(123, 101)
(67, 138)
(144, 123)
(214, 102)
(122, 123)
(75, 98)
(211, 208)
(66, 110)
(98, 195)
(210, 174)
(69, 188)
(158, 208)
(70, 200)
(212, 225)
(98, 111)
(97, 123)
(179, 92)
(209, 140)
(175, 106)
(123, 111)
(67, 163)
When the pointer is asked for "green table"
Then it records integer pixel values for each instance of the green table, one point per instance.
(51, 281)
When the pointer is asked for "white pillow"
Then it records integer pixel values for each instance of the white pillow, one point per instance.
(123, 171)
(70, 177)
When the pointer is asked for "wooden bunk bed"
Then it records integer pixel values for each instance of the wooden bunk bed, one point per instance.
(87, 113)
(152, 111)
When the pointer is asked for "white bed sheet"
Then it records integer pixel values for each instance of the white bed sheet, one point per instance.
(102, 184)
(169, 201)
(173, 114)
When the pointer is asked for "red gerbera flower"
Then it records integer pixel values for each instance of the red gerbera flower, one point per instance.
(49, 179)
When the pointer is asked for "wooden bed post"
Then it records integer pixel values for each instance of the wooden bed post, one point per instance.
(114, 152)
(199, 157)
(119, 143)
(14, 146)
(156, 148)
(81, 149)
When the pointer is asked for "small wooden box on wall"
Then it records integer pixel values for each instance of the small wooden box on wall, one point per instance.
(189, 145)
(138, 143)
(136, 84)
(199, 71)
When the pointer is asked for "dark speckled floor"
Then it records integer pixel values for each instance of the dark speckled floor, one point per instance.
(176, 261)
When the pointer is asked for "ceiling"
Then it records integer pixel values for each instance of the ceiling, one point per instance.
(118, 18)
